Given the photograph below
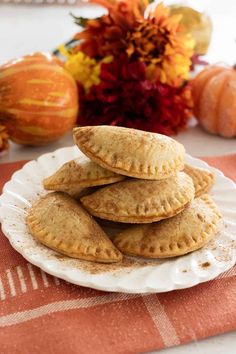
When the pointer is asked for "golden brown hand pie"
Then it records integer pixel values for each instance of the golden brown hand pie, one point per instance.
(188, 231)
(60, 223)
(141, 201)
(131, 152)
(76, 175)
(203, 179)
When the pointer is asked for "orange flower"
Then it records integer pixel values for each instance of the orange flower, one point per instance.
(158, 40)
(145, 85)
(3, 138)
(105, 35)
(160, 43)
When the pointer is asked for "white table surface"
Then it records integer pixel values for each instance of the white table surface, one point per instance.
(25, 29)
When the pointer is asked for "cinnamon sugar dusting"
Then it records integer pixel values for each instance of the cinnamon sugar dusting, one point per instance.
(205, 264)
(128, 264)
(226, 251)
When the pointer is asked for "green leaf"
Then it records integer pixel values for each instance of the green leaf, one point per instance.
(80, 21)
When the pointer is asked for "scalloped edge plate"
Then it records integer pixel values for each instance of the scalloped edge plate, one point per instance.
(218, 256)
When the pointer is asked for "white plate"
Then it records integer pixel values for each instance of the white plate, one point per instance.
(134, 276)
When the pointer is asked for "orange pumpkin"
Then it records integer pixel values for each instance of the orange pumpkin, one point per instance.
(38, 99)
(214, 97)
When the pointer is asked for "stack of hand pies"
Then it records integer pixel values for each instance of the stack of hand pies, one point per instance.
(127, 176)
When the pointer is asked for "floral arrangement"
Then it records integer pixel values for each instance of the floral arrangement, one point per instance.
(132, 67)
(129, 67)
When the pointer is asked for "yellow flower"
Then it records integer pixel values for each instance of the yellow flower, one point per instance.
(160, 43)
(84, 69)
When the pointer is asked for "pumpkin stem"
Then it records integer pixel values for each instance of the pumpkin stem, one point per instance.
(234, 66)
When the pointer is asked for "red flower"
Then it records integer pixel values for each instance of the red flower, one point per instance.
(126, 98)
